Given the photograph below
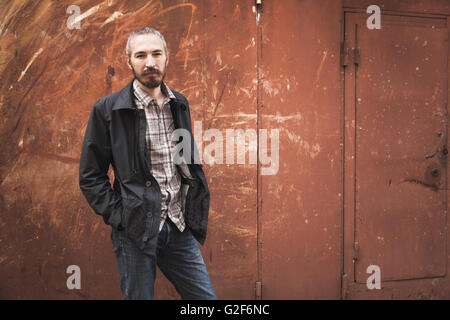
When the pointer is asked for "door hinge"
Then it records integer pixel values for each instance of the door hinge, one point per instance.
(347, 54)
(344, 54)
(355, 251)
(258, 290)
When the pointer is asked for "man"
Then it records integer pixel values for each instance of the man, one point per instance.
(157, 208)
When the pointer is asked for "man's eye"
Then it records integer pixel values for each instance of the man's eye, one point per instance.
(140, 56)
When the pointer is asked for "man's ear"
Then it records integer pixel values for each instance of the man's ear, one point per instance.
(129, 63)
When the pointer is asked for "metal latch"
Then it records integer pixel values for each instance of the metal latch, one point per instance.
(258, 290)
(355, 251)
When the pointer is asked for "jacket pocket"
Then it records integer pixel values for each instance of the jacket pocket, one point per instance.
(134, 221)
(197, 204)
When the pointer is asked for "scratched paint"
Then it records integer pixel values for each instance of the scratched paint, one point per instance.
(280, 71)
(51, 76)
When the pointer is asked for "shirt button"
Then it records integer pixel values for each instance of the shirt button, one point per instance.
(148, 183)
(149, 214)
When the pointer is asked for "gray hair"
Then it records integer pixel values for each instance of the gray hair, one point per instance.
(146, 30)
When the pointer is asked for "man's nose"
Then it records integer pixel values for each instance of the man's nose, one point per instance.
(150, 62)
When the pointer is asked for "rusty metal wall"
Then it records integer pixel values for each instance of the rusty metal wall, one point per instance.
(50, 78)
(242, 66)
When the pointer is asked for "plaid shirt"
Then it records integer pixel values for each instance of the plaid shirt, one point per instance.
(160, 127)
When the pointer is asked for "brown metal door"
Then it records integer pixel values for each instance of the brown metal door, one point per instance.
(396, 84)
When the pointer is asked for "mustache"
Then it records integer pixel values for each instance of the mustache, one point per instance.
(151, 70)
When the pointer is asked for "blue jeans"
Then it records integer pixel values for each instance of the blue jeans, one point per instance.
(177, 256)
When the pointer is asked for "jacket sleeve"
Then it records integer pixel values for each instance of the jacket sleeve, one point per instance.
(93, 173)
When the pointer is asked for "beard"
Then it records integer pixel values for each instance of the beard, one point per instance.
(152, 81)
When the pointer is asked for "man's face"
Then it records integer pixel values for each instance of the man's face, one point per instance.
(148, 60)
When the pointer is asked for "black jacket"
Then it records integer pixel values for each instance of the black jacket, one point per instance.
(115, 135)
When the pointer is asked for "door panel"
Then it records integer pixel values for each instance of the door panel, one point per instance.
(395, 109)
(300, 208)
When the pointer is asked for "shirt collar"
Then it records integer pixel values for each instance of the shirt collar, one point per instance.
(145, 98)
